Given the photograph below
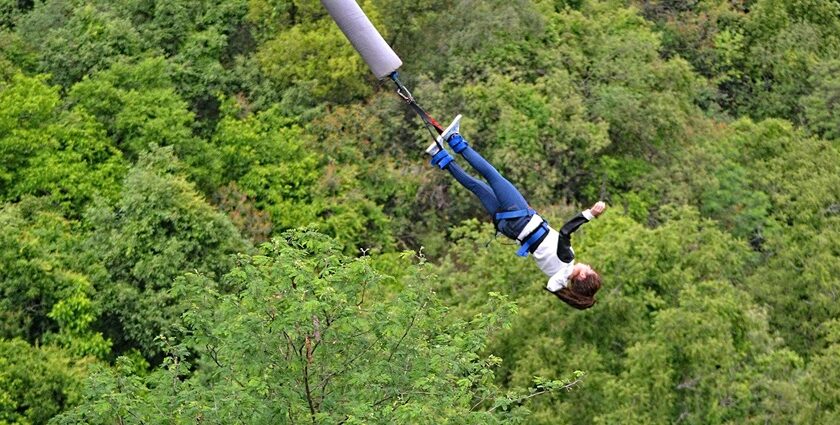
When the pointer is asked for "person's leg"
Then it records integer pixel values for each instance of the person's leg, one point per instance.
(480, 189)
(484, 193)
(508, 196)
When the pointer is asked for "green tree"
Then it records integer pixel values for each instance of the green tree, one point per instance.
(159, 229)
(46, 151)
(693, 29)
(202, 42)
(329, 68)
(272, 158)
(820, 377)
(822, 106)
(784, 43)
(772, 185)
(300, 332)
(136, 101)
(590, 117)
(11, 10)
(15, 54)
(36, 383)
(46, 295)
(539, 133)
(370, 154)
(75, 40)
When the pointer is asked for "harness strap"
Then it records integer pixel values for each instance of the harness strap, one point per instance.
(442, 159)
(507, 215)
(457, 143)
(532, 239)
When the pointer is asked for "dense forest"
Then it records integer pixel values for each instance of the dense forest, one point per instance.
(212, 212)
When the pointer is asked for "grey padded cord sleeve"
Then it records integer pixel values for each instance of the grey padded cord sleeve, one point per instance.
(363, 35)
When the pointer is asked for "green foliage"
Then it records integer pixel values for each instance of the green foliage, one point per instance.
(271, 159)
(493, 37)
(539, 132)
(27, 103)
(45, 295)
(359, 144)
(15, 54)
(765, 56)
(329, 67)
(11, 11)
(137, 103)
(674, 328)
(773, 186)
(807, 32)
(49, 152)
(644, 99)
(201, 41)
(599, 86)
(710, 127)
(80, 40)
(267, 155)
(159, 229)
(36, 383)
(820, 376)
(822, 106)
(301, 333)
(693, 30)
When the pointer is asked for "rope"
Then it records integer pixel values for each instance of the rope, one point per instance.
(430, 123)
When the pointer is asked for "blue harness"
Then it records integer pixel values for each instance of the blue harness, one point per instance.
(530, 239)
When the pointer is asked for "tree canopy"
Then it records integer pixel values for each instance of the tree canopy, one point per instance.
(212, 212)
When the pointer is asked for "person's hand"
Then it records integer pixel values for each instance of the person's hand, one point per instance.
(598, 208)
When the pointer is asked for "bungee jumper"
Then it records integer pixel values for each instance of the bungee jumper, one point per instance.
(574, 283)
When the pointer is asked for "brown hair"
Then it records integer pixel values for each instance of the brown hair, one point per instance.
(580, 293)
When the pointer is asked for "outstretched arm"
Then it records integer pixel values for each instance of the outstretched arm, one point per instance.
(564, 245)
(582, 217)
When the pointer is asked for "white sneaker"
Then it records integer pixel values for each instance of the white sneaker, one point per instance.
(452, 129)
(433, 149)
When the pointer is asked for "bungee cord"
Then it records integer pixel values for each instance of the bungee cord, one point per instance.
(430, 123)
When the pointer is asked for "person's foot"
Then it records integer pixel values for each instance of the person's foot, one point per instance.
(453, 128)
(440, 156)
(433, 148)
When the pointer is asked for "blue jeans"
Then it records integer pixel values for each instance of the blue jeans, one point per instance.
(497, 196)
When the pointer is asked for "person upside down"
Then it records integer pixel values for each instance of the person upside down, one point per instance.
(574, 283)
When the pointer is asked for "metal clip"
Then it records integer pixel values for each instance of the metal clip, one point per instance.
(406, 97)
(402, 91)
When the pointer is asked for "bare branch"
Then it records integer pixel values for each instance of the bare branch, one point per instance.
(308, 392)
(407, 330)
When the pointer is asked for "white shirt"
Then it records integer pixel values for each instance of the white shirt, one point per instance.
(545, 255)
